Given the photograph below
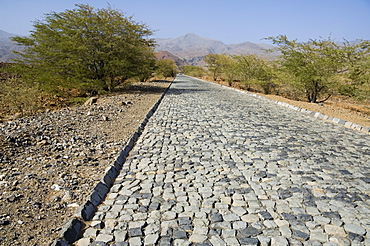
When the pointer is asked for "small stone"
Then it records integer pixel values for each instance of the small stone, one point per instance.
(279, 241)
(91, 101)
(265, 215)
(151, 239)
(249, 241)
(180, 235)
(11, 198)
(104, 238)
(181, 242)
(335, 230)
(332, 215)
(340, 241)
(354, 229)
(217, 241)
(98, 243)
(240, 225)
(288, 216)
(90, 232)
(184, 221)
(321, 220)
(228, 233)
(300, 235)
(238, 210)
(165, 241)
(135, 241)
(84, 242)
(154, 206)
(250, 231)
(285, 231)
(135, 232)
(264, 241)
(169, 215)
(231, 217)
(354, 236)
(305, 217)
(216, 217)
(197, 238)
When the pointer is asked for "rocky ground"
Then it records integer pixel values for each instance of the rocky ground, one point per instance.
(51, 161)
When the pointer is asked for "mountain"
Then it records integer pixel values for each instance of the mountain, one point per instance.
(7, 45)
(192, 48)
(167, 55)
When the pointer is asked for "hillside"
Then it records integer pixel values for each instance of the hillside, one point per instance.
(192, 47)
(167, 55)
(6, 46)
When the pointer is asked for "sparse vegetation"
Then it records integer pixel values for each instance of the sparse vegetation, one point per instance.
(78, 52)
(165, 68)
(194, 71)
(312, 70)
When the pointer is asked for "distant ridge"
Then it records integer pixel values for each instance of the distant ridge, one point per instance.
(7, 45)
(192, 48)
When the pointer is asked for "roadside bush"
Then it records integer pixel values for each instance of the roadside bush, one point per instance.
(193, 71)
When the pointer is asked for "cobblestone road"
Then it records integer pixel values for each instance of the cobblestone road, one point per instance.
(218, 167)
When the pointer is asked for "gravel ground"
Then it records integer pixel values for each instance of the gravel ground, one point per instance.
(50, 162)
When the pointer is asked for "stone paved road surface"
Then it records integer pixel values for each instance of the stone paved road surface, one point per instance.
(218, 167)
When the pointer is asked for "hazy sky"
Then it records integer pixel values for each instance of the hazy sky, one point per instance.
(231, 21)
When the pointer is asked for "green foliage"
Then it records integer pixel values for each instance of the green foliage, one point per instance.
(228, 67)
(356, 69)
(86, 48)
(194, 71)
(252, 70)
(214, 64)
(314, 65)
(165, 68)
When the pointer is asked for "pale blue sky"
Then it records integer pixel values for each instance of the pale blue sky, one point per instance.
(230, 21)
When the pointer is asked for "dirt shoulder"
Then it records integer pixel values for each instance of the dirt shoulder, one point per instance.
(50, 162)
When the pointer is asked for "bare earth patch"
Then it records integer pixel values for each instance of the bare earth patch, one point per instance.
(50, 162)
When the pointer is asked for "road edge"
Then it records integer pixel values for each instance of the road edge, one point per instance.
(71, 231)
(314, 114)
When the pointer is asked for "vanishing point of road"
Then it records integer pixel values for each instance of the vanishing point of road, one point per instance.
(215, 166)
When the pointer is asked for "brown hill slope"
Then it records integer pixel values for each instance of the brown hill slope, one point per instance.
(167, 55)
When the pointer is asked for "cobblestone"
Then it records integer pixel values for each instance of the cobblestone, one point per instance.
(215, 166)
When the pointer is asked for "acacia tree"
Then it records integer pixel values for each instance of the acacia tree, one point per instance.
(166, 68)
(357, 67)
(214, 64)
(314, 64)
(194, 71)
(228, 68)
(86, 47)
(251, 69)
